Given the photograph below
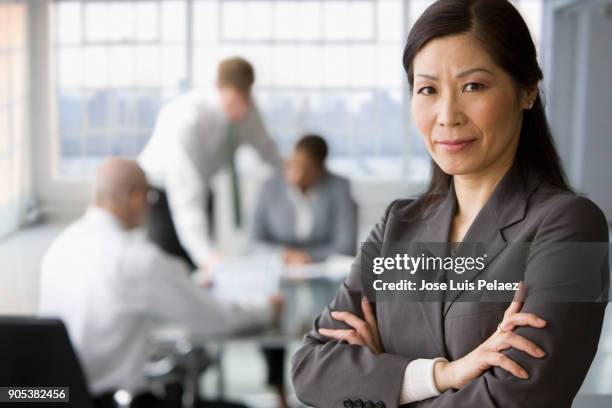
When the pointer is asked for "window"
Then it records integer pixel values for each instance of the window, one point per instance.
(117, 62)
(14, 184)
(332, 67)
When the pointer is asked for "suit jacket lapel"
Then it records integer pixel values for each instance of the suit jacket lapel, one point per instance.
(434, 235)
(506, 206)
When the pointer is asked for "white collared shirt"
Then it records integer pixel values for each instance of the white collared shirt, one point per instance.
(302, 207)
(110, 288)
(188, 146)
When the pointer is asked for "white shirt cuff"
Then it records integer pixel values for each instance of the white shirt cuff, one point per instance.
(419, 383)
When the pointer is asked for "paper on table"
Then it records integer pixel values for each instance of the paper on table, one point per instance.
(335, 267)
(247, 279)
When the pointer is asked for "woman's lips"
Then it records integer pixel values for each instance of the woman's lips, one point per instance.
(455, 146)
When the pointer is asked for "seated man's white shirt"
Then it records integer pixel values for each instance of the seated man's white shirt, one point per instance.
(110, 288)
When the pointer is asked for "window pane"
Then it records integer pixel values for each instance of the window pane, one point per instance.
(141, 141)
(259, 22)
(123, 67)
(309, 20)
(148, 66)
(361, 20)
(69, 22)
(122, 16)
(206, 59)
(284, 65)
(97, 110)
(146, 21)
(173, 21)
(148, 107)
(124, 145)
(261, 57)
(206, 18)
(532, 13)
(96, 146)
(390, 20)
(363, 62)
(309, 66)
(70, 67)
(336, 66)
(96, 67)
(96, 20)
(70, 111)
(335, 21)
(389, 69)
(127, 110)
(286, 20)
(71, 147)
(173, 69)
(234, 20)
(417, 7)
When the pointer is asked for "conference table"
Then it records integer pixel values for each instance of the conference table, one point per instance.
(306, 289)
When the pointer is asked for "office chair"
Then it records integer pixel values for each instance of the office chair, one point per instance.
(37, 353)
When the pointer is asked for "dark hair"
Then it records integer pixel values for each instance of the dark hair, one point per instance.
(315, 146)
(499, 28)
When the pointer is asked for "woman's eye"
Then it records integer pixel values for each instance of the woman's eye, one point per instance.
(473, 86)
(426, 90)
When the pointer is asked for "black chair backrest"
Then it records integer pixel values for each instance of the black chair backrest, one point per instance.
(37, 352)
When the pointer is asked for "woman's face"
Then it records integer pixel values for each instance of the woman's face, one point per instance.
(467, 109)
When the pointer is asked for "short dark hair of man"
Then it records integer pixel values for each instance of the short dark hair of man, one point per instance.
(315, 146)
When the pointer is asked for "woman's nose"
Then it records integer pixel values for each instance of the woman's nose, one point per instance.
(450, 114)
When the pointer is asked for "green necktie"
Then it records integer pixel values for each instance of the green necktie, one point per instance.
(232, 144)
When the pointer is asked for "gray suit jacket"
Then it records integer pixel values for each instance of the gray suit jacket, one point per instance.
(523, 208)
(335, 217)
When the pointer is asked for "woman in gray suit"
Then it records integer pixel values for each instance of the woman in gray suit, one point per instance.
(496, 179)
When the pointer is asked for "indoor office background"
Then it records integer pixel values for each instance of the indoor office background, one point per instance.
(84, 80)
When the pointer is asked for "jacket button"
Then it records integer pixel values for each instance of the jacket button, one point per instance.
(368, 404)
(357, 403)
(347, 403)
(379, 404)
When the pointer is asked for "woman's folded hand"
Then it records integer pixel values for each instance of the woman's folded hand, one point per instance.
(363, 332)
(458, 373)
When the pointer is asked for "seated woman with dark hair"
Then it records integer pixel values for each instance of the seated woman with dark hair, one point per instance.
(496, 180)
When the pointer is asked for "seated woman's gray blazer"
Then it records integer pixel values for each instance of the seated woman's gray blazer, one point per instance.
(523, 208)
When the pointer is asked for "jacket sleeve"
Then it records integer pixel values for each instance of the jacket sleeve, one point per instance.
(326, 372)
(571, 336)
(171, 296)
(343, 227)
(259, 228)
(253, 131)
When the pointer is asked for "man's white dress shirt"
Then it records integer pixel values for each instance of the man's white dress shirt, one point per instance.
(189, 145)
(110, 288)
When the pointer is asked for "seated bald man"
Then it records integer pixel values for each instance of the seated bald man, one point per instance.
(110, 288)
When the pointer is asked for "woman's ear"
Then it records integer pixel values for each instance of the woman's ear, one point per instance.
(529, 96)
